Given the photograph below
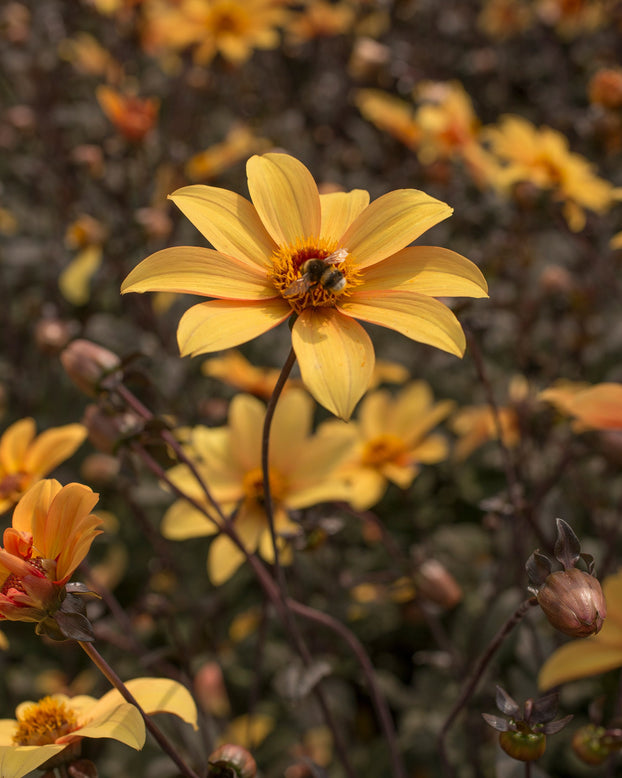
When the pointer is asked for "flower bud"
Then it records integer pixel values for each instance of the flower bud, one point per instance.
(108, 430)
(231, 761)
(438, 584)
(573, 602)
(210, 691)
(89, 365)
(587, 745)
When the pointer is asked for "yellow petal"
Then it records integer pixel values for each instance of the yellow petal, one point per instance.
(223, 559)
(368, 487)
(291, 426)
(390, 223)
(373, 414)
(286, 197)
(75, 280)
(120, 721)
(69, 529)
(182, 521)
(429, 270)
(221, 324)
(32, 510)
(228, 221)
(14, 444)
(192, 270)
(579, 659)
(246, 418)
(154, 695)
(433, 449)
(248, 730)
(15, 762)
(52, 447)
(418, 317)
(339, 210)
(600, 406)
(336, 358)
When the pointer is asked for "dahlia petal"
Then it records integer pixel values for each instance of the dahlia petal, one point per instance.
(183, 521)
(291, 425)
(286, 197)
(390, 223)
(368, 487)
(228, 221)
(70, 528)
(430, 270)
(193, 270)
(18, 761)
(433, 449)
(32, 509)
(246, 418)
(339, 210)
(336, 358)
(223, 559)
(579, 659)
(375, 410)
(14, 444)
(120, 722)
(417, 316)
(222, 324)
(52, 447)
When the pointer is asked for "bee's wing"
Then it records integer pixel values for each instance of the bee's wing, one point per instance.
(299, 286)
(337, 257)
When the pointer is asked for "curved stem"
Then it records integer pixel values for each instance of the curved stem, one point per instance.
(265, 460)
(157, 733)
(477, 673)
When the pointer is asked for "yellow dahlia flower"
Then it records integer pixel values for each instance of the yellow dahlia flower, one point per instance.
(260, 273)
(53, 727)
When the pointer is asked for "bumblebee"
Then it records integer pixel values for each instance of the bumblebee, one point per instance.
(316, 271)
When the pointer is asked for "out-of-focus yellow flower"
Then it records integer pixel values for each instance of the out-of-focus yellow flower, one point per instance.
(50, 727)
(503, 18)
(477, 424)
(239, 143)
(360, 270)
(597, 407)
(8, 222)
(249, 730)
(390, 441)
(89, 57)
(51, 533)
(541, 157)
(231, 28)
(390, 114)
(229, 459)
(594, 655)
(387, 372)
(131, 115)
(574, 17)
(320, 19)
(616, 241)
(234, 369)
(26, 457)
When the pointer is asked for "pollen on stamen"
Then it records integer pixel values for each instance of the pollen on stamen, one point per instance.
(287, 274)
(42, 723)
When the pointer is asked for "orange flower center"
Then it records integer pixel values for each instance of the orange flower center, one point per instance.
(313, 274)
(383, 449)
(14, 485)
(252, 485)
(43, 722)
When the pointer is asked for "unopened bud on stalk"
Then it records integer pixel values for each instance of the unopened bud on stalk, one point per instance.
(230, 761)
(210, 691)
(437, 584)
(108, 430)
(571, 599)
(92, 368)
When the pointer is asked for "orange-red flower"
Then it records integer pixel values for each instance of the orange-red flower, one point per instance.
(51, 533)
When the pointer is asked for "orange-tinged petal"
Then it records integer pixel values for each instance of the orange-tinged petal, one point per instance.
(228, 221)
(291, 425)
(429, 270)
(336, 358)
(599, 407)
(154, 695)
(222, 324)
(32, 509)
(15, 762)
(52, 447)
(579, 659)
(223, 559)
(193, 270)
(374, 411)
(121, 722)
(339, 210)
(390, 223)
(14, 444)
(182, 521)
(368, 487)
(286, 197)
(420, 318)
(69, 530)
(433, 449)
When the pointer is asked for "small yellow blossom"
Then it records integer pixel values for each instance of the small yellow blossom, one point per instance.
(477, 424)
(53, 726)
(390, 441)
(229, 459)
(320, 19)
(260, 274)
(239, 143)
(541, 156)
(593, 655)
(26, 457)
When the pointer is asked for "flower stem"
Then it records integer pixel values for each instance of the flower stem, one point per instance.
(157, 733)
(477, 673)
